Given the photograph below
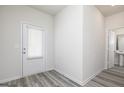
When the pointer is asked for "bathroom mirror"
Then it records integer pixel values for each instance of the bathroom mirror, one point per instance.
(120, 42)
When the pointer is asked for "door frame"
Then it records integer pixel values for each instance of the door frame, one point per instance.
(21, 41)
(109, 33)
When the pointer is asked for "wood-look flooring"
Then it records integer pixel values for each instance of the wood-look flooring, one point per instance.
(46, 79)
(113, 77)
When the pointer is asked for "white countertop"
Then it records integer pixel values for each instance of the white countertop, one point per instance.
(119, 52)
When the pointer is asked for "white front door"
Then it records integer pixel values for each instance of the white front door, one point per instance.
(33, 45)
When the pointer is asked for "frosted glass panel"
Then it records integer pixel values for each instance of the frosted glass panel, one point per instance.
(35, 43)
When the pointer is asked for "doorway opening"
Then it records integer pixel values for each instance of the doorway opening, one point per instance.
(116, 48)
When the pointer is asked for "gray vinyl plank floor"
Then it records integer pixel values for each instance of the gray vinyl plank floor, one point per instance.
(45, 79)
(113, 77)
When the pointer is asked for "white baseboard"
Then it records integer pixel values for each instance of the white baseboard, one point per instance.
(9, 79)
(49, 69)
(82, 83)
(91, 77)
(70, 77)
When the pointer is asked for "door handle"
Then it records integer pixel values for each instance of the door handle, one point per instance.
(24, 52)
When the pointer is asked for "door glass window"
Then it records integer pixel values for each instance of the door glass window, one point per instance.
(35, 43)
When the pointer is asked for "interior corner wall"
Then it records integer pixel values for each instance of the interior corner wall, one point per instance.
(93, 42)
(10, 30)
(68, 42)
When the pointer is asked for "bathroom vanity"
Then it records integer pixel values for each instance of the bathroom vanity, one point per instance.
(120, 49)
(120, 57)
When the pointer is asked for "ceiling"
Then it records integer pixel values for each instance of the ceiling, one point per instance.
(108, 10)
(50, 9)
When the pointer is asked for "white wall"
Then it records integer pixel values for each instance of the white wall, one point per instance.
(68, 42)
(10, 19)
(113, 22)
(93, 42)
(79, 42)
